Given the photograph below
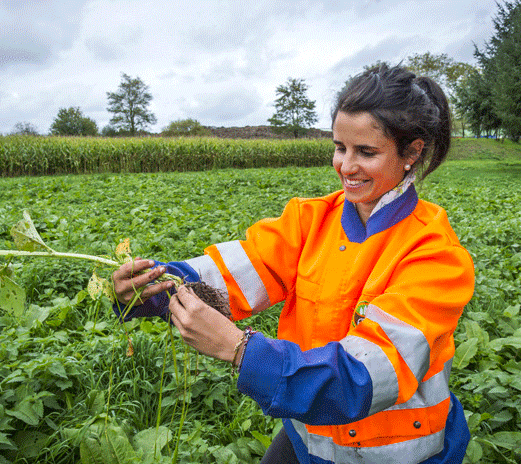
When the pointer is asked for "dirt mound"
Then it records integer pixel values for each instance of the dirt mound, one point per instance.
(260, 132)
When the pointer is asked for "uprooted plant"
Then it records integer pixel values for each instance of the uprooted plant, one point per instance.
(29, 244)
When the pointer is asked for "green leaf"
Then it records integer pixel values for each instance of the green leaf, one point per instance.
(26, 237)
(502, 416)
(30, 442)
(116, 446)
(499, 390)
(6, 443)
(499, 343)
(508, 440)
(90, 451)
(225, 456)
(95, 402)
(28, 411)
(512, 311)
(264, 439)
(152, 440)
(58, 369)
(257, 447)
(246, 425)
(12, 296)
(474, 451)
(465, 352)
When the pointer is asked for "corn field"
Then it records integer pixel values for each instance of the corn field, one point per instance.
(20, 156)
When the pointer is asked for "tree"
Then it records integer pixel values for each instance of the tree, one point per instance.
(506, 87)
(500, 66)
(24, 128)
(185, 127)
(441, 68)
(129, 104)
(473, 100)
(71, 121)
(295, 112)
(452, 76)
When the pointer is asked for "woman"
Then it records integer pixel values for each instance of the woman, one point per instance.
(374, 282)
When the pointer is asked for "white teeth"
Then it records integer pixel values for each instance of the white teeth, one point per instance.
(354, 183)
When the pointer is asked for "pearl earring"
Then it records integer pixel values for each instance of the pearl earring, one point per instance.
(407, 167)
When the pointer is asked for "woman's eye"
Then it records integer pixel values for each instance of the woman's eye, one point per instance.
(367, 153)
(340, 148)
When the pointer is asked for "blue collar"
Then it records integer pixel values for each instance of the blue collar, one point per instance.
(383, 219)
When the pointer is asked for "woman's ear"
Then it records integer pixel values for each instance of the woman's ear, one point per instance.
(414, 150)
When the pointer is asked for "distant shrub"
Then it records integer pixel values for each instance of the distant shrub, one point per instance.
(186, 128)
(24, 128)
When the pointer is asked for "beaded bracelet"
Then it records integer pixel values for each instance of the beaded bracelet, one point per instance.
(247, 334)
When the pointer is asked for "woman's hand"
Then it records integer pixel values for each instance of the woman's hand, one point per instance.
(129, 278)
(202, 327)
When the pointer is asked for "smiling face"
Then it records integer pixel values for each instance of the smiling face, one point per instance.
(366, 160)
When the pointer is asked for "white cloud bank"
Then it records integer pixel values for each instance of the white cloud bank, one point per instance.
(213, 60)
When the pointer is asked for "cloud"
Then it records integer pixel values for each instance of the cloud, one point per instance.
(223, 107)
(114, 45)
(392, 50)
(34, 31)
(219, 61)
(476, 29)
(103, 49)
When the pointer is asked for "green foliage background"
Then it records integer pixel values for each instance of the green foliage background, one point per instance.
(69, 394)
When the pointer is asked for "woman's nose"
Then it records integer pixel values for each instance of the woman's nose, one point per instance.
(349, 165)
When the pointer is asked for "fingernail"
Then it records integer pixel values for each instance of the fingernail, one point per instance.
(162, 269)
(151, 263)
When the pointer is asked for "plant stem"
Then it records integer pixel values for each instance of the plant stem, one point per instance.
(56, 254)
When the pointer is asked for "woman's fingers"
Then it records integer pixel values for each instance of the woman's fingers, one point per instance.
(202, 326)
(134, 275)
(189, 300)
(154, 289)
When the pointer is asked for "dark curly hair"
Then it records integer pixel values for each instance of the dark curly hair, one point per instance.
(407, 108)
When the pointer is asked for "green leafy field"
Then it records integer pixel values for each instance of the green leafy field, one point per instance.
(69, 393)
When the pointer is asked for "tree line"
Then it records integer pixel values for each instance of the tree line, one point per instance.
(485, 98)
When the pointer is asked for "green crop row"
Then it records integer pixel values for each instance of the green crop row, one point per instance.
(80, 155)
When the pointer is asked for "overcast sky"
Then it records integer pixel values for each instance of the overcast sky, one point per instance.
(217, 61)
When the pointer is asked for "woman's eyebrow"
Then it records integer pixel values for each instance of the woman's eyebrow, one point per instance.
(367, 147)
(364, 147)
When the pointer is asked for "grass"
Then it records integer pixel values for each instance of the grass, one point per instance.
(484, 149)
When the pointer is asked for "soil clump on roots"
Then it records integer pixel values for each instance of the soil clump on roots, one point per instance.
(212, 297)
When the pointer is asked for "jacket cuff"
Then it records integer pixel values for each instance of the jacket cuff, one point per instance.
(320, 386)
(261, 370)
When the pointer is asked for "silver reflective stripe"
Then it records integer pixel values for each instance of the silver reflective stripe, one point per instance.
(408, 340)
(381, 370)
(208, 272)
(431, 392)
(405, 452)
(245, 275)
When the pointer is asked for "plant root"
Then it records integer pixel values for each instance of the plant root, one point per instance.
(212, 297)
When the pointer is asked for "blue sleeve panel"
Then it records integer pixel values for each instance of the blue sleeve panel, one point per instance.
(457, 437)
(321, 386)
(158, 304)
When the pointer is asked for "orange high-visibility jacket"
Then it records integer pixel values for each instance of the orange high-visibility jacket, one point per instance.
(389, 295)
